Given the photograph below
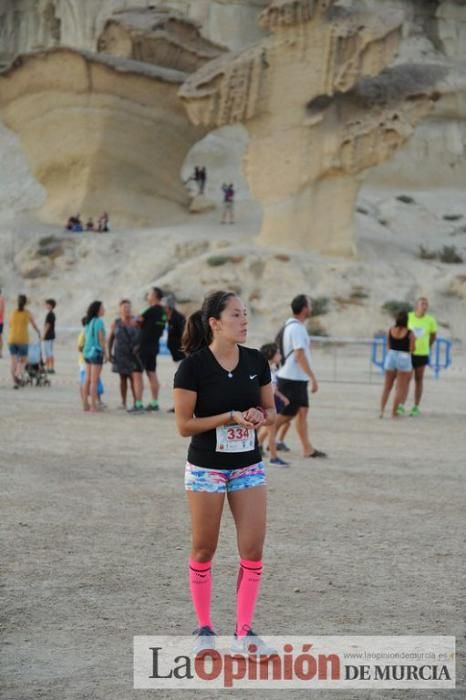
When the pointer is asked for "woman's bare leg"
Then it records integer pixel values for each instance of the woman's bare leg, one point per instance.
(389, 379)
(402, 383)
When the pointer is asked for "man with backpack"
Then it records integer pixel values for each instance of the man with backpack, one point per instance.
(296, 372)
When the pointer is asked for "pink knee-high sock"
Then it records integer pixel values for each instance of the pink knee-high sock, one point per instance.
(247, 590)
(200, 583)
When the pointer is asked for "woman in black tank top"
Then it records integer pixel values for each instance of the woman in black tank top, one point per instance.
(398, 364)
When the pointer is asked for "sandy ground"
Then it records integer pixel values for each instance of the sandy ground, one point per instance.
(96, 534)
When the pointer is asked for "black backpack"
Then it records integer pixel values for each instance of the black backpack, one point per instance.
(279, 342)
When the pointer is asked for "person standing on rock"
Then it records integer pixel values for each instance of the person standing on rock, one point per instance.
(18, 338)
(424, 327)
(296, 372)
(222, 394)
(2, 320)
(152, 322)
(49, 335)
(228, 203)
(202, 179)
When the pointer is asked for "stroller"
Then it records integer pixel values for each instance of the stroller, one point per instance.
(35, 373)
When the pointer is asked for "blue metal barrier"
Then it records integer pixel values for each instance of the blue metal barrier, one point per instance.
(379, 350)
(439, 359)
(440, 355)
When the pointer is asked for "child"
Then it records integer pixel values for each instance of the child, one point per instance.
(82, 368)
(272, 354)
(49, 336)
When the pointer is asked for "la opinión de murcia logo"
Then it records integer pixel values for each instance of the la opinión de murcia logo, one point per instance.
(171, 663)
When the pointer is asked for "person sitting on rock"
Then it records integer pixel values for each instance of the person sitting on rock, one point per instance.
(77, 225)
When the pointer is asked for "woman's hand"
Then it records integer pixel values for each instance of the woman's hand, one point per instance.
(255, 416)
(241, 419)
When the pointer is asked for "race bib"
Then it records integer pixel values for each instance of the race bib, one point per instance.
(235, 438)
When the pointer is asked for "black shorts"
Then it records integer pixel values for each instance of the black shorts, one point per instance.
(296, 392)
(420, 360)
(149, 360)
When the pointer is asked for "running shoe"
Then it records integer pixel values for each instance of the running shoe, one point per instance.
(242, 645)
(401, 410)
(152, 407)
(317, 453)
(415, 411)
(204, 640)
(136, 410)
(281, 447)
(279, 462)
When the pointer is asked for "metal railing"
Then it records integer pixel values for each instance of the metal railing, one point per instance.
(440, 357)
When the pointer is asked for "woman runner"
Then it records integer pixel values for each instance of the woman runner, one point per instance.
(222, 394)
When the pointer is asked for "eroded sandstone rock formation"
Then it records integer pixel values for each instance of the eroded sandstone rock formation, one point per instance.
(100, 133)
(315, 124)
(156, 37)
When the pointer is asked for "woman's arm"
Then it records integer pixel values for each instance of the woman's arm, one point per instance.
(268, 404)
(111, 339)
(101, 338)
(264, 414)
(188, 425)
(412, 342)
(33, 323)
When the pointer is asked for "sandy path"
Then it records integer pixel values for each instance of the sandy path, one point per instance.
(95, 527)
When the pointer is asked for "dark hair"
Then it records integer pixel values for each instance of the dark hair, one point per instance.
(401, 320)
(124, 301)
(93, 311)
(269, 350)
(84, 320)
(299, 303)
(51, 302)
(158, 292)
(197, 333)
(22, 301)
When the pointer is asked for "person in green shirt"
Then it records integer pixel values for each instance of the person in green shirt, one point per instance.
(424, 327)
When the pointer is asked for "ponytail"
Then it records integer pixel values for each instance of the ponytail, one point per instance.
(194, 335)
(198, 333)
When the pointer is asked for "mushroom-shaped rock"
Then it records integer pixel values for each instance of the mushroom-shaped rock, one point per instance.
(100, 133)
(317, 114)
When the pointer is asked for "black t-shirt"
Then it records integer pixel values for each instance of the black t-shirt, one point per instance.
(219, 393)
(50, 319)
(154, 320)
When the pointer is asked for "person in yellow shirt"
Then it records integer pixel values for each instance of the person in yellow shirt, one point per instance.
(424, 327)
(18, 339)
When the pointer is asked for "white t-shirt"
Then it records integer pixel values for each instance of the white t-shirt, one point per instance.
(295, 337)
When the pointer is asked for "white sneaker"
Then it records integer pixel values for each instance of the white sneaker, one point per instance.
(252, 645)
